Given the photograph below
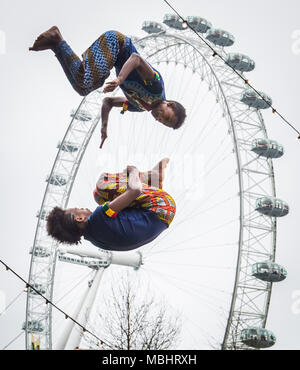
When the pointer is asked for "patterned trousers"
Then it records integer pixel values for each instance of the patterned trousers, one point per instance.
(110, 186)
(89, 74)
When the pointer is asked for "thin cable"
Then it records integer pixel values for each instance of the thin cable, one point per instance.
(73, 288)
(52, 304)
(12, 302)
(215, 53)
(13, 340)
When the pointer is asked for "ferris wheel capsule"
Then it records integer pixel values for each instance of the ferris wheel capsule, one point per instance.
(241, 62)
(67, 146)
(56, 180)
(258, 338)
(267, 148)
(272, 207)
(41, 214)
(199, 24)
(40, 251)
(220, 37)
(173, 21)
(81, 115)
(33, 326)
(152, 27)
(39, 288)
(269, 271)
(254, 100)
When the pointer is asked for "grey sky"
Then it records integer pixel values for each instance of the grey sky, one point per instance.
(36, 100)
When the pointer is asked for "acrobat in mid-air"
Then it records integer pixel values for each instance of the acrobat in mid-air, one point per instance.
(131, 212)
(142, 84)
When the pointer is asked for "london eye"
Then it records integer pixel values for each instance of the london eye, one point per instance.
(217, 264)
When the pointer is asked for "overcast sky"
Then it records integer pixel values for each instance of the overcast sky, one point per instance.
(36, 100)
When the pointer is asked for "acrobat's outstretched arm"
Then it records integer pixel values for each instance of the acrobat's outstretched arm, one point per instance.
(107, 104)
(135, 61)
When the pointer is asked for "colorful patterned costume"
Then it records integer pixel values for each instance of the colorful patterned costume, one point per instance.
(109, 186)
(111, 49)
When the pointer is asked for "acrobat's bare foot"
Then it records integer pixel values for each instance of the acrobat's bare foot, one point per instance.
(47, 40)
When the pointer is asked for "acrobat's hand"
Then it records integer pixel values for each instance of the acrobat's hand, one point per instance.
(103, 136)
(112, 85)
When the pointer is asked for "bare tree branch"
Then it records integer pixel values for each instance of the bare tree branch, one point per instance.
(130, 322)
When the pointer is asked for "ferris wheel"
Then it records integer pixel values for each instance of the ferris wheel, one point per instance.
(216, 263)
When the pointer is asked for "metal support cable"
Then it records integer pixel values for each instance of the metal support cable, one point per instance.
(12, 341)
(11, 303)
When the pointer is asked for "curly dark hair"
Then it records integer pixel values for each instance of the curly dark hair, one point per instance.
(180, 113)
(62, 227)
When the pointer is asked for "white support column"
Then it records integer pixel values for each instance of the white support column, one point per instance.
(131, 259)
(69, 324)
(84, 251)
(127, 259)
(82, 317)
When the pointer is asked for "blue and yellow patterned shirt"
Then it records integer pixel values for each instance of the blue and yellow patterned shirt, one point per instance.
(134, 87)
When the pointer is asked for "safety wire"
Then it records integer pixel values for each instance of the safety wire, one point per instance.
(11, 303)
(12, 341)
(215, 53)
(47, 301)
